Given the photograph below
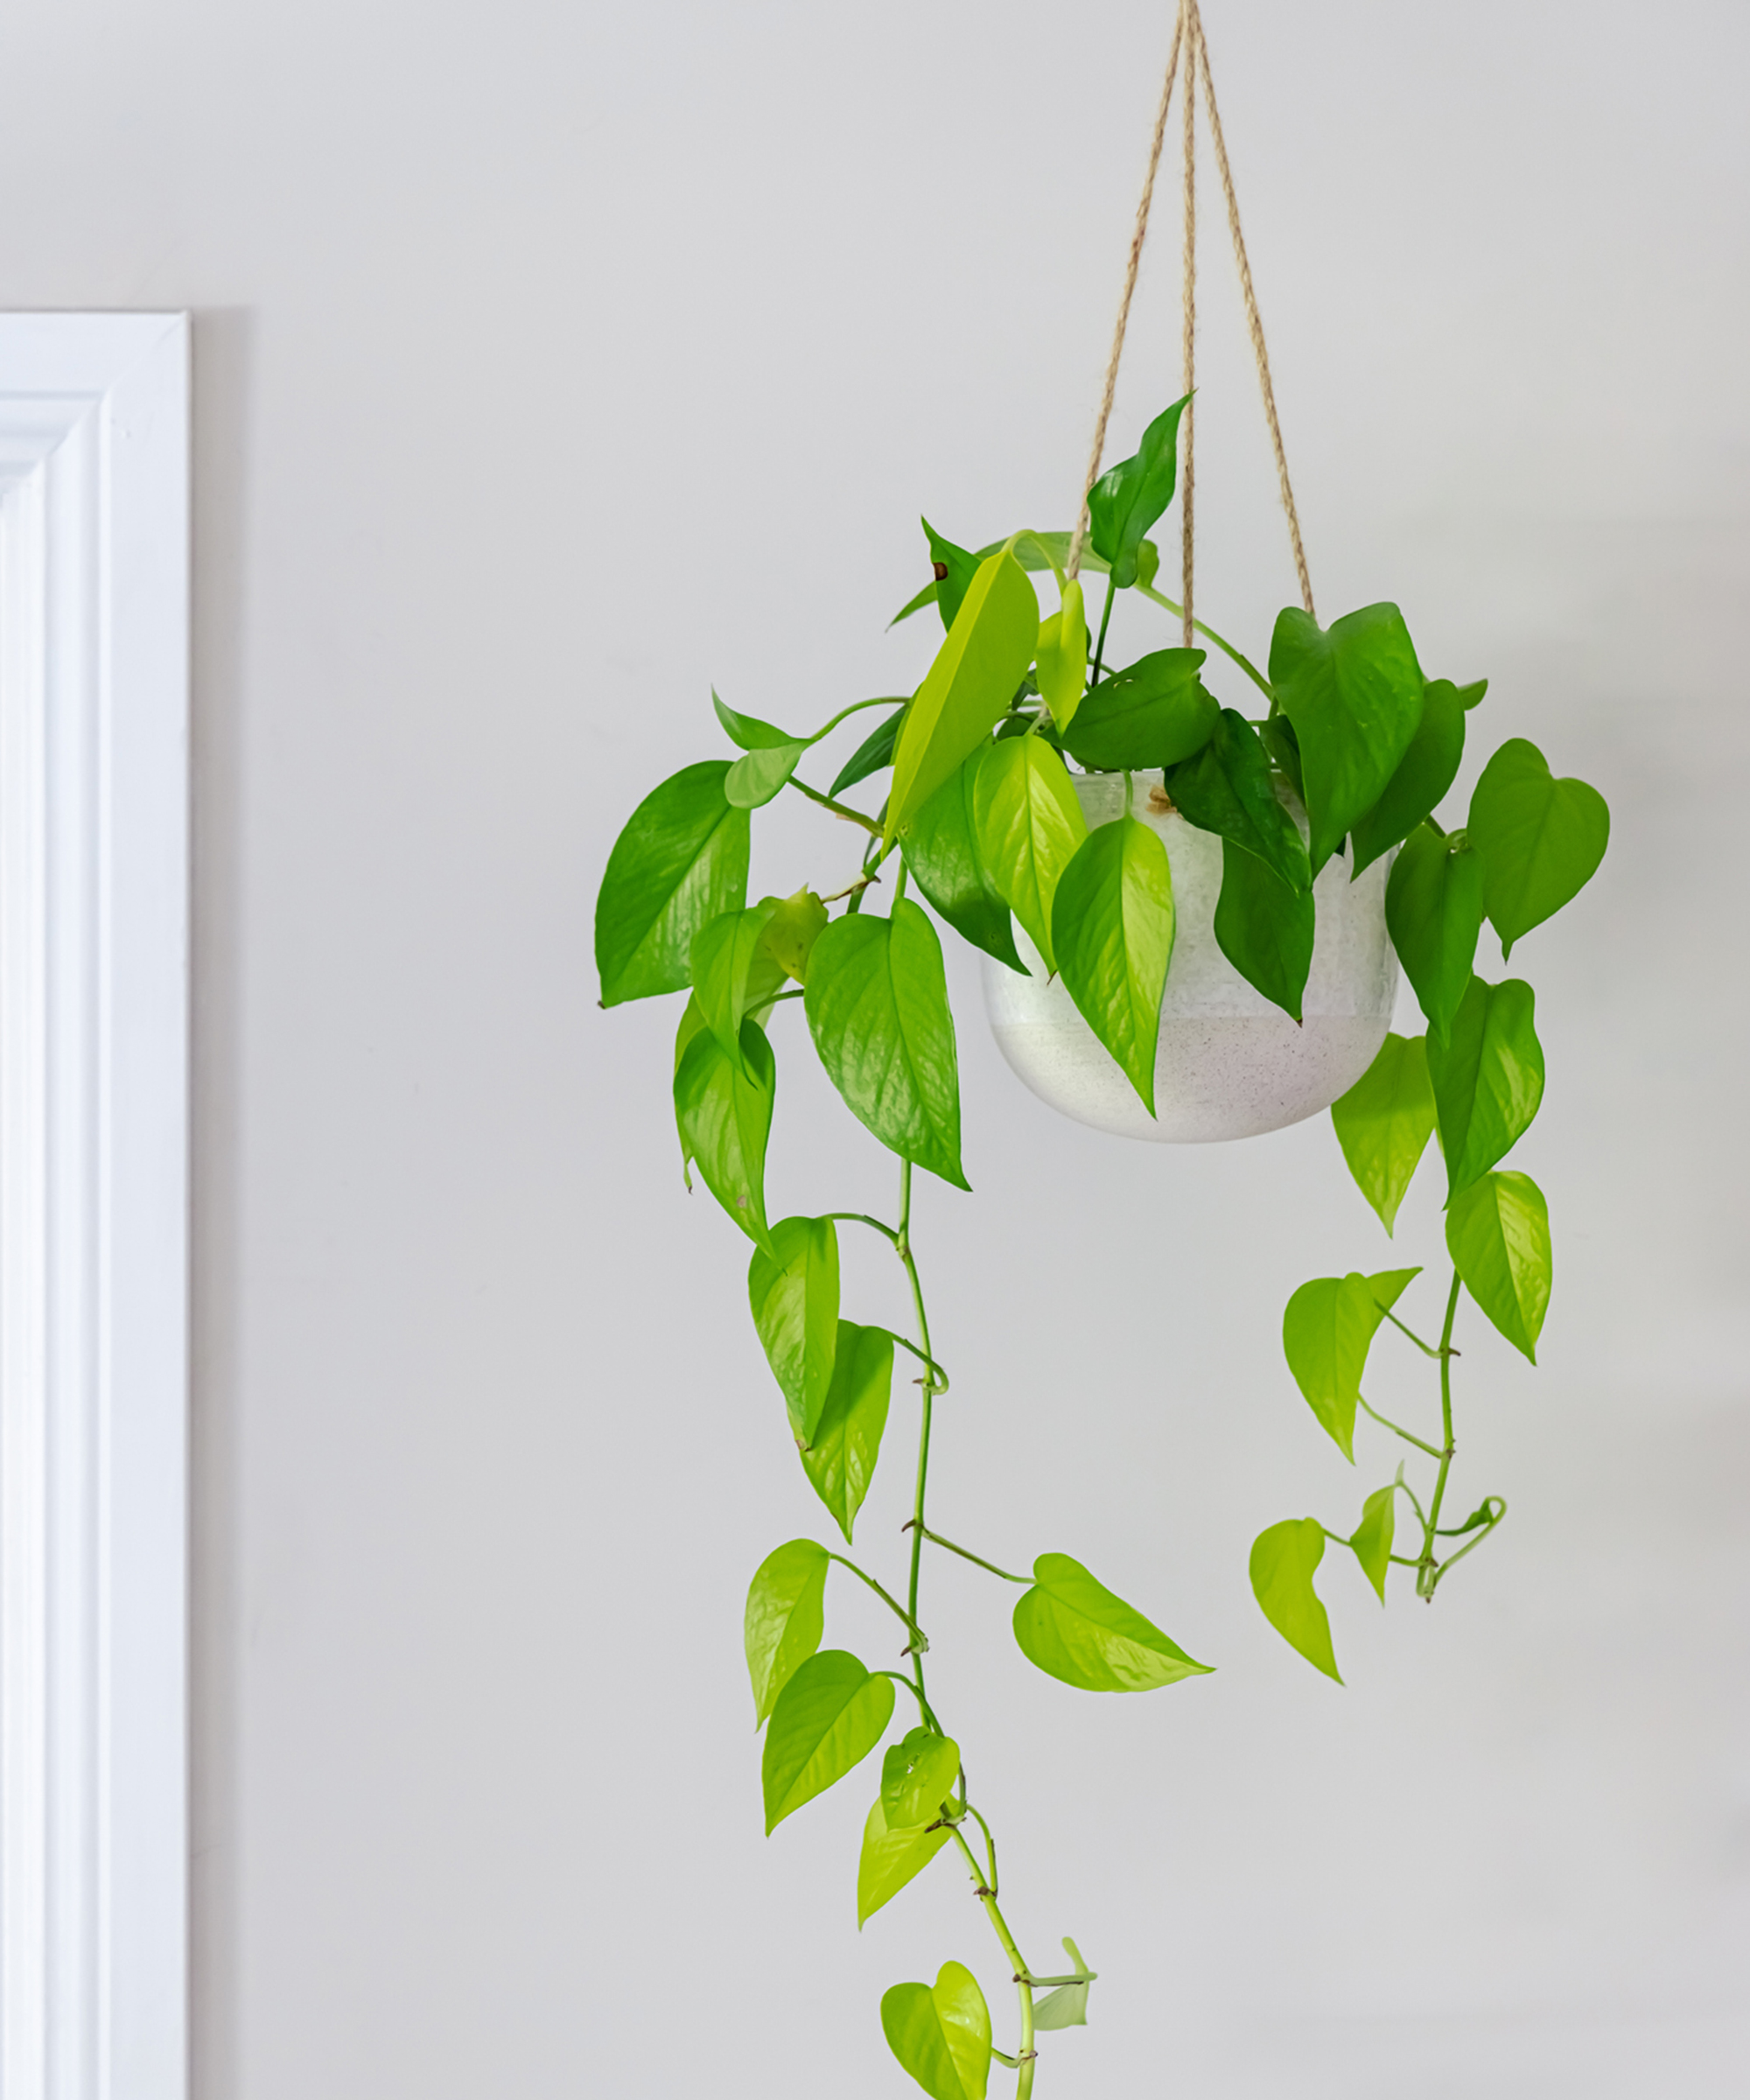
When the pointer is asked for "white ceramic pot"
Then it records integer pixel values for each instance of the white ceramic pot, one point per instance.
(1230, 1064)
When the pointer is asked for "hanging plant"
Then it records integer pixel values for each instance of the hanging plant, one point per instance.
(1192, 916)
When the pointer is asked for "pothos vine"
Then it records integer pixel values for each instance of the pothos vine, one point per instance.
(1351, 759)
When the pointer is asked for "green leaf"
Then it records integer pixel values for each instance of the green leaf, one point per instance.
(795, 925)
(1327, 1331)
(1383, 1123)
(1541, 839)
(726, 1117)
(826, 1720)
(941, 851)
(1469, 695)
(839, 1458)
(955, 570)
(1229, 789)
(1371, 1538)
(1028, 824)
(749, 732)
(968, 688)
(1067, 2006)
(692, 1024)
(1498, 1235)
(727, 983)
(890, 1859)
(1425, 773)
(918, 1774)
(1128, 497)
(1156, 713)
(1278, 738)
(941, 2035)
(1037, 557)
(755, 778)
(1265, 928)
(1433, 909)
(1353, 693)
(1062, 654)
(876, 1003)
(875, 752)
(681, 860)
(1284, 1559)
(1111, 925)
(794, 1294)
(784, 1618)
(1074, 1629)
(1487, 1078)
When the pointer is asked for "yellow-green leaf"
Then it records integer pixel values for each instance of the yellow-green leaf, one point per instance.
(784, 1619)
(1062, 656)
(1074, 1629)
(1371, 1539)
(794, 1294)
(941, 2035)
(826, 1720)
(1384, 1121)
(891, 1858)
(1112, 926)
(840, 1453)
(1029, 825)
(1498, 1235)
(1327, 1331)
(1283, 1562)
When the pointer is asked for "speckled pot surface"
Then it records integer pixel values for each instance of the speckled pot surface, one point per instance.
(1230, 1064)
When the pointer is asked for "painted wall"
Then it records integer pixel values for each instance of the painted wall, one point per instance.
(555, 362)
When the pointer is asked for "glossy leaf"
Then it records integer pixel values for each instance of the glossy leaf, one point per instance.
(1067, 2006)
(1128, 497)
(1283, 1563)
(839, 1458)
(1074, 1629)
(1353, 694)
(1112, 935)
(875, 752)
(1229, 789)
(941, 2035)
(1277, 734)
(941, 851)
(1155, 713)
(1434, 910)
(876, 1003)
(725, 1116)
(826, 1720)
(757, 775)
(1498, 1235)
(1371, 1539)
(1425, 773)
(692, 1022)
(955, 570)
(918, 1774)
(681, 860)
(1541, 839)
(1265, 929)
(892, 1857)
(966, 690)
(1062, 656)
(727, 981)
(784, 1619)
(796, 923)
(1487, 1078)
(1028, 825)
(1327, 1331)
(1035, 558)
(749, 732)
(794, 1294)
(1384, 1121)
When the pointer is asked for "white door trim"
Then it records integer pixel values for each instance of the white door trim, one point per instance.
(93, 1145)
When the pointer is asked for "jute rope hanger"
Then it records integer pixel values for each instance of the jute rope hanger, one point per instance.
(1188, 40)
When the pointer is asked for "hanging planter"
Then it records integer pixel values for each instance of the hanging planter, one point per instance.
(1193, 883)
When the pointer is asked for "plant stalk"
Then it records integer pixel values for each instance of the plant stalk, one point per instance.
(1427, 1574)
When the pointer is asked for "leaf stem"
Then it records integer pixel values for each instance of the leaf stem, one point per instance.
(852, 817)
(1453, 1559)
(1227, 647)
(845, 713)
(924, 1706)
(902, 1247)
(891, 1602)
(1430, 1450)
(936, 1539)
(862, 1217)
(1426, 1347)
(1100, 646)
(1429, 1573)
(987, 1896)
(937, 1374)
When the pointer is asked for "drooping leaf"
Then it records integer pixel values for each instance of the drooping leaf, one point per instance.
(941, 851)
(918, 1774)
(726, 980)
(955, 570)
(1327, 1331)
(1425, 773)
(1371, 1538)
(891, 1858)
(1284, 1559)
(1353, 694)
(1156, 713)
(1487, 1078)
(1434, 910)
(785, 1618)
(1265, 928)
(1074, 1629)
(1028, 824)
(725, 1116)
(1128, 497)
(795, 925)
(681, 860)
(1067, 2006)
(876, 1003)
(941, 2035)
(1498, 1235)
(1384, 1121)
(1062, 656)
(827, 1718)
(794, 1294)
(692, 1024)
(839, 1458)
(968, 688)
(1541, 839)
(1229, 789)
(749, 732)
(757, 775)
(1279, 740)
(875, 752)
(1111, 926)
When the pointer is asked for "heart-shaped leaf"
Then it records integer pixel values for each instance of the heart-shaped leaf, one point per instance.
(1425, 773)
(839, 1457)
(1265, 928)
(757, 775)
(749, 732)
(1111, 925)
(681, 860)
(918, 1775)
(1284, 1559)
(892, 1857)
(784, 1618)
(1383, 1123)
(1434, 910)
(794, 1294)
(941, 2035)
(1074, 1629)
(1541, 839)
(725, 1112)
(1156, 713)
(1498, 1235)
(1028, 824)
(1327, 1331)
(1229, 789)
(1487, 1078)
(1128, 498)
(796, 923)
(827, 1719)
(1371, 1539)
(941, 851)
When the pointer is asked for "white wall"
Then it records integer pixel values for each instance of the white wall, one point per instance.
(555, 361)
